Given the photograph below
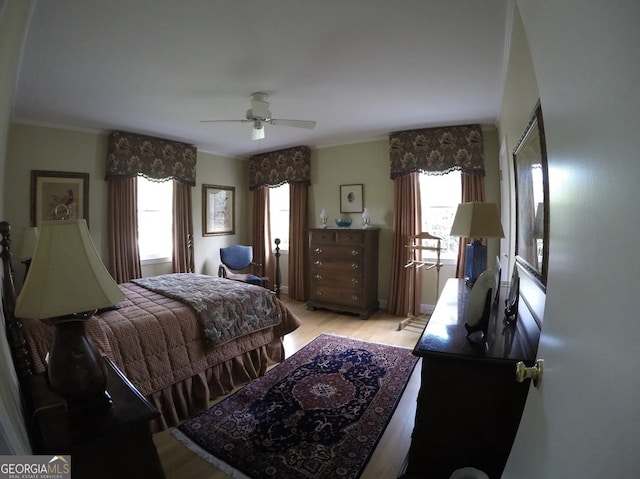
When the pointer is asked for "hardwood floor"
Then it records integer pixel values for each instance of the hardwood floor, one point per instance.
(180, 463)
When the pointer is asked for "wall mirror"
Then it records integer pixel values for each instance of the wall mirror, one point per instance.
(532, 199)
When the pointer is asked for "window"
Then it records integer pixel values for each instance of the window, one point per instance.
(279, 214)
(155, 219)
(440, 196)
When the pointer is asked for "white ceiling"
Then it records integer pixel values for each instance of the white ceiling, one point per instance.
(359, 68)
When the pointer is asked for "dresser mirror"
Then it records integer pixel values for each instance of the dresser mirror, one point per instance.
(532, 198)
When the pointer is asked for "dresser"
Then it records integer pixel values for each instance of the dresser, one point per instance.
(343, 270)
(469, 405)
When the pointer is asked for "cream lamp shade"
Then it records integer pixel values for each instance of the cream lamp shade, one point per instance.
(477, 220)
(66, 274)
(28, 244)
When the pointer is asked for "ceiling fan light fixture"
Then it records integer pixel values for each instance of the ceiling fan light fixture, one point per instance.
(257, 133)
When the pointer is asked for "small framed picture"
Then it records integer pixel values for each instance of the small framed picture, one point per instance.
(218, 210)
(58, 195)
(351, 200)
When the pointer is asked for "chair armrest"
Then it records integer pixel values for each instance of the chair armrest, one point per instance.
(256, 268)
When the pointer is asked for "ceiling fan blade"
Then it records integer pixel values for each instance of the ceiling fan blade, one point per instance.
(309, 125)
(225, 121)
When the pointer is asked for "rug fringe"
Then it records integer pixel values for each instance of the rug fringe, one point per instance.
(380, 343)
(210, 458)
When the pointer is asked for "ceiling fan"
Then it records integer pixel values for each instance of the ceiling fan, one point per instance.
(260, 115)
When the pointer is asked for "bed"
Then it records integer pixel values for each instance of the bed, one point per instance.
(176, 357)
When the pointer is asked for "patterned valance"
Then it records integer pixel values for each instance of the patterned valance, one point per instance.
(437, 150)
(292, 165)
(129, 154)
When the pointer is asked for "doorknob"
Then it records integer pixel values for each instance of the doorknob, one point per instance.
(535, 373)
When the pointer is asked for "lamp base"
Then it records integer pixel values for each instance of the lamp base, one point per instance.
(76, 370)
(475, 262)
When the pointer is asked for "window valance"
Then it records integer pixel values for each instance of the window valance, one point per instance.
(437, 150)
(291, 165)
(130, 154)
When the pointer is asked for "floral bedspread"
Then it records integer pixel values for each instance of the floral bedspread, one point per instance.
(227, 308)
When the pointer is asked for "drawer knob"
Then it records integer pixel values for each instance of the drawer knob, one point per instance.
(318, 250)
(355, 252)
(355, 297)
(318, 293)
(355, 266)
(354, 281)
(317, 262)
(318, 277)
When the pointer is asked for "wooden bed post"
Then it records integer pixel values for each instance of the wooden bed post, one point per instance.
(278, 278)
(192, 262)
(21, 359)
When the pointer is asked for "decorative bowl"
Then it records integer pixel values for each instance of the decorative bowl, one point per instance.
(343, 222)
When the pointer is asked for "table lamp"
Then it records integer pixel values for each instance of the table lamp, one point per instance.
(66, 283)
(28, 246)
(475, 220)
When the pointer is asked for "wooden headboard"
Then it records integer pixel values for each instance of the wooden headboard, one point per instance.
(19, 351)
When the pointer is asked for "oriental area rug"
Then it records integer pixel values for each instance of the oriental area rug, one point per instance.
(318, 414)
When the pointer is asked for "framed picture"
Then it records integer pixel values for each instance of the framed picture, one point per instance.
(218, 210)
(532, 199)
(57, 195)
(351, 200)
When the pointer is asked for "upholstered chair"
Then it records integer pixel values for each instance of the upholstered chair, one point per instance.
(237, 264)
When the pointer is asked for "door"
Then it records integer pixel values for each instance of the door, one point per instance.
(583, 420)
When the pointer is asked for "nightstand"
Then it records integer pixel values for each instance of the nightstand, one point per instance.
(103, 443)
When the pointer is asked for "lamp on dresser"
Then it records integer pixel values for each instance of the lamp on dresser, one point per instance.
(476, 220)
(66, 283)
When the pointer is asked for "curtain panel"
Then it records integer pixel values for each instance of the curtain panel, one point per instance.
(129, 155)
(298, 240)
(407, 216)
(291, 165)
(182, 231)
(437, 150)
(262, 234)
(124, 257)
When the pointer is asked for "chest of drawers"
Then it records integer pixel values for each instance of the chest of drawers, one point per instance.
(343, 270)
(469, 405)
